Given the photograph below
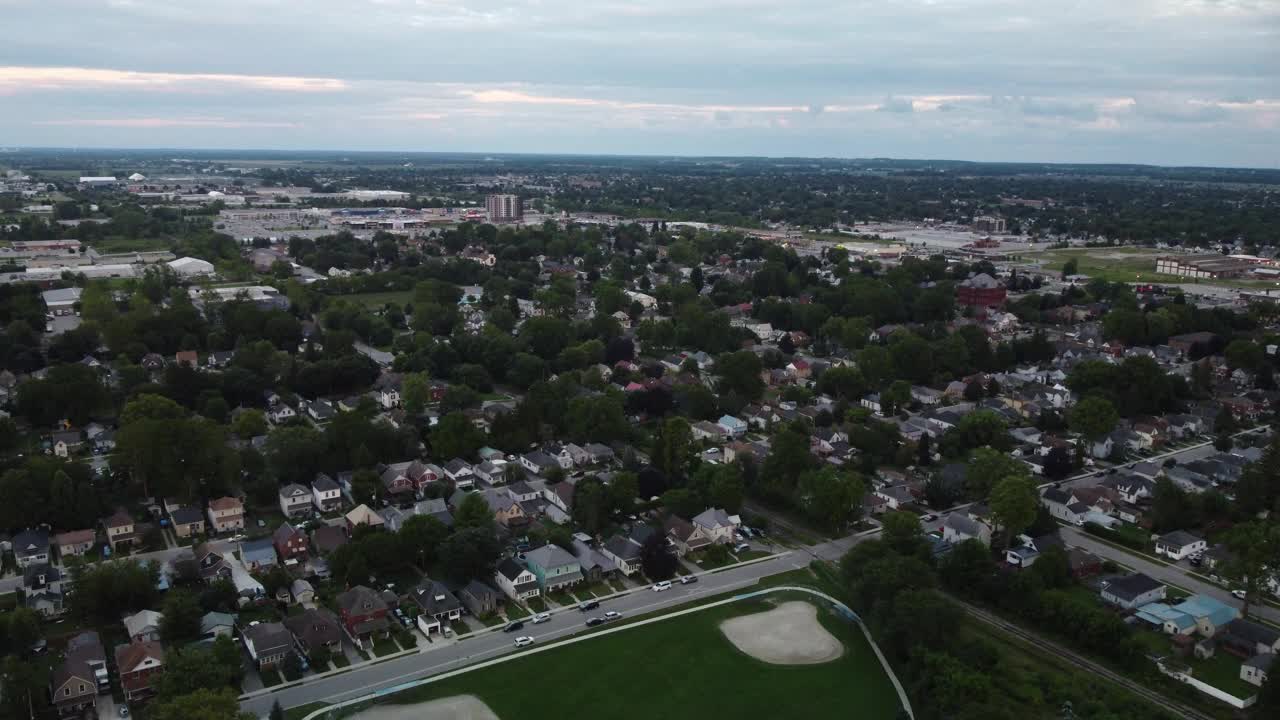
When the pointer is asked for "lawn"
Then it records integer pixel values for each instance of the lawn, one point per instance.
(688, 665)
(297, 713)
(378, 299)
(536, 605)
(340, 661)
(617, 585)
(515, 611)
(1223, 672)
(270, 678)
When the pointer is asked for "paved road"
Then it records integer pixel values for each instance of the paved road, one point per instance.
(1168, 574)
(488, 645)
(14, 582)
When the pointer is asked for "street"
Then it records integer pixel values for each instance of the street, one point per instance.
(492, 643)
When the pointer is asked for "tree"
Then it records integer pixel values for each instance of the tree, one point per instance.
(1244, 355)
(986, 467)
(181, 614)
(473, 512)
(421, 536)
(249, 423)
(202, 704)
(924, 451)
(1013, 504)
(196, 668)
(1070, 267)
(1057, 463)
(622, 491)
(415, 393)
(830, 498)
(590, 504)
(470, 554)
(673, 447)
(455, 436)
(296, 453)
(656, 559)
(1093, 417)
(1255, 555)
(739, 372)
(1171, 507)
(788, 459)
(901, 531)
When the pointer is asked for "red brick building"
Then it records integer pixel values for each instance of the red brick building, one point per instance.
(138, 664)
(981, 290)
(363, 614)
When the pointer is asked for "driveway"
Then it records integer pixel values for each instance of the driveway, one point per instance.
(106, 707)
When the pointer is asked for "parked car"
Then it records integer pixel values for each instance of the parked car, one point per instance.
(612, 615)
(688, 579)
(930, 517)
(662, 585)
(741, 547)
(1239, 594)
(524, 641)
(513, 626)
(541, 618)
(592, 622)
(588, 605)
(124, 711)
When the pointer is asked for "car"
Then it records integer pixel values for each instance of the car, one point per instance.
(524, 547)
(929, 518)
(524, 641)
(124, 711)
(540, 618)
(662, 585)
(1239, 594)
(612, 615)
(513, 626)
(740, 547)
(1196, 561)
(588, 605)
(688, 579)
(592, 622)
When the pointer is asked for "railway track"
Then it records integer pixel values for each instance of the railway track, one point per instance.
(1177, 709)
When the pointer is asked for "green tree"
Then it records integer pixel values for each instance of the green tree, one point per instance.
(985, 467)
(473, 512)
(470, 554)
(830, 498)
(249, 423)
(421, 536)
(181, 613)
(1013, 504)
(202, 704)
(739, 373)
(455, 437)
(415, 393)
(1093, 417)
(1255, 554)
(590, 504)
(673, 447)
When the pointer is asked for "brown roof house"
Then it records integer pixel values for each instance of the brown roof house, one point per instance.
(138, 663)
(268, 643)
(226, 514)
(75, 542)
(120, 530)
(315, 629)
(76, 682)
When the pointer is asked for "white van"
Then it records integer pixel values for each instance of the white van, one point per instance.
(663, 585)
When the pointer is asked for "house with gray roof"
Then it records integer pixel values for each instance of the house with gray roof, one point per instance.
(959, 528)
(624, 552)
(258, 554)
(1129, 592)
(554, 567)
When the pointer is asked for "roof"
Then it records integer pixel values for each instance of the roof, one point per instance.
(268, 637)
(315, 627)
(324, 483)
(186, 516)
(510, 569)
(328, 538)
(712, 518)
(138, 623)
(1203, 606)
(260, 550)
(1262, 662)
(1129, 587)
(225, 503)
(1179, 538)
(621, 547)
(294, 490)
(964, 525)
(434, 598)
(211, 621)
(550, 556)
(128, 657)
(62, 295)
(359, 600)
(75, 537)
(1252, 632)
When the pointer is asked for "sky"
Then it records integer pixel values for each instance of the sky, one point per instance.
(1169, 82)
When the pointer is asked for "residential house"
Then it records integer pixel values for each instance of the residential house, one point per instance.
(554, 567)
(296, 500)
(190, 358)
(579, 456)
(187, 522)
(120, 530)
(226, 514)
(220, 358)
(326, 494)
(321, 410)
(516, 581)
(211, 564)
(460, 472)
(1180, 544)
(437, 605)
(959, 528)
(624, 552)
(363, 515)
(81, 676)
(281, 413)
(214, 625)
(268, 643)
(600, 454)
(1198, 613)
(1246, 638)
(896, 496)
(42, 589)
(686, 536)
(717, 525)
(388, 388)
(732, 426)
(328, 538)
(258, 554)
(363, 613)
(1129, 592)
(1256, 669)
(872, 403)
(315, 629)
(137, 665)
(481, 599)
(31, 547)
(539, 463)
(290, 543)
(143, 626)
(1027, 549)
(706, 430)
(75, 542)
(65, 442)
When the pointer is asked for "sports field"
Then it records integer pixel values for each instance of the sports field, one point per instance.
(680, 668)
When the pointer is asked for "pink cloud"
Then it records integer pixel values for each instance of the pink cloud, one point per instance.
(14, 79)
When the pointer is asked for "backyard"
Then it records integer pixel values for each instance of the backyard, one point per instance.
(685, 663)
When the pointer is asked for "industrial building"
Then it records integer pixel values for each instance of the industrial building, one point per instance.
(1205, 266)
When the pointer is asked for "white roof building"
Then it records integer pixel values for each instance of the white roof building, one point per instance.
(190, 267)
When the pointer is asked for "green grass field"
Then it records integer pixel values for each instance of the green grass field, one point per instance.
(378, 299)
(679, 668)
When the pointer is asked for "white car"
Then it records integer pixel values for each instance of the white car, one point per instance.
(1238, 594)
(612, 615)
(524, 641)
(540, 618)
(660, 586)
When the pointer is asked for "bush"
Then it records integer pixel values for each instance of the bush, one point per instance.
(292, 667)
(319, 658)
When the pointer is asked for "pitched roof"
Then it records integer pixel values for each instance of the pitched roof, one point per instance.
(128, 657)
(712, 518)
(1129, 587)
(138, 623)
(360, 600)
(315, 627)
(550, 556)
(1180, 538)
(268, 637)
(510, 569)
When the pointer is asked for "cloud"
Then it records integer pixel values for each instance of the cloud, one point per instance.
(166, 122)
(1173, 110)
(14, 79)
(896, 105)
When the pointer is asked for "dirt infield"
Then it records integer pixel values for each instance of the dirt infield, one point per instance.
(790, 634)
(458, 707)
